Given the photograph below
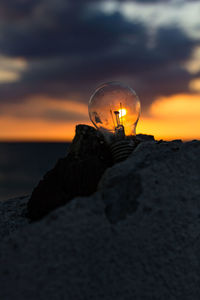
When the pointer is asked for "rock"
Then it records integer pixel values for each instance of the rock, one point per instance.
(145, 138)
(137, 237)
(13, 215)
(77, 174)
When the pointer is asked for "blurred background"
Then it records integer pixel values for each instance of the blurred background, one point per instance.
(54, 53)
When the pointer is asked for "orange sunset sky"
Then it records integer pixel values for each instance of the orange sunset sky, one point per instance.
(54, 54)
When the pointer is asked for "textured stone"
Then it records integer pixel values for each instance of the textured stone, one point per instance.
(101, 247)
(13, 215)
(75, 175)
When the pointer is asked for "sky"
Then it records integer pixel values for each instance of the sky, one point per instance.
(54, 53)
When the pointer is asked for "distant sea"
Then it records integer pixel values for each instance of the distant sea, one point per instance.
(22, 165)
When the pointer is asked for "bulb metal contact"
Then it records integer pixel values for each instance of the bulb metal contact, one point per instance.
(121, 149)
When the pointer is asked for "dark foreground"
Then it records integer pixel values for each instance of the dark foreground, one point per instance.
(137, 237)
(23, 164)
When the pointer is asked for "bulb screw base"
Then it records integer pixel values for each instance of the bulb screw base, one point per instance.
(121, 149)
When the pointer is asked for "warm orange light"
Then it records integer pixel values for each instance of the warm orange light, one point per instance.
(195, 85)
(176, 116)
(107, 108)
(31, 120)
(122, 112)
(173, 117)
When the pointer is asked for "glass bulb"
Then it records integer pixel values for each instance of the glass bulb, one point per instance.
(114, 109)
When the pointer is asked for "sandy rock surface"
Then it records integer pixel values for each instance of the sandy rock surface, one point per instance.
(12, 215)
(137, 237)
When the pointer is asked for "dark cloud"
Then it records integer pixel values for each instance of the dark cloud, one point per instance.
(55, 115)
(64, 116)
(152, 1)
(65, 31)
(16, 9)
(70, 49)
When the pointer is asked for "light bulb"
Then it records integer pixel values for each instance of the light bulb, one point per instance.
(114, 109)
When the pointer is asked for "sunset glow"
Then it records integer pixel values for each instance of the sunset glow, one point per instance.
(42, 120)
(173, 117)
(53, 55)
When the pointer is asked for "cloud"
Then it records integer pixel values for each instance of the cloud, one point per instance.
(170, 117)
(41, 118)
(8, 76)
(16, 9)
(70, 48)
(10, 69)
(46, 108)
(195, 85)
(173, 117)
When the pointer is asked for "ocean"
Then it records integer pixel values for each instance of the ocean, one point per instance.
(22, 165)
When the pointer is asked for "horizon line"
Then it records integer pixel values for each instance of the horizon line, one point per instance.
(34, 141)
(15, 140)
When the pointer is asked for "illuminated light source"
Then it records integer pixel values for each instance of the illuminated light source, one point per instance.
(122, 112)
(114, 109)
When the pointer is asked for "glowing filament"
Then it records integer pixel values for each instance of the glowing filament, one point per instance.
(122, 112)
